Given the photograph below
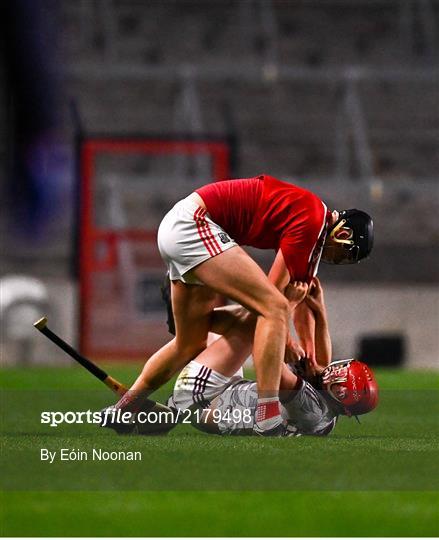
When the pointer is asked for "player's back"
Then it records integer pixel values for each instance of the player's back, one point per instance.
(258, 211)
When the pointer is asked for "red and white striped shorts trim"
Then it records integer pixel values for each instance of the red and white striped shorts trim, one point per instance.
(187, 237)
(205, 232)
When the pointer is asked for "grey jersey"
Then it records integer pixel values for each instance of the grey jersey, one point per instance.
(306, 411)
(309, 411)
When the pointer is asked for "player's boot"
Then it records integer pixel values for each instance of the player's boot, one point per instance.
(281, 430)
(123, 423)
(277, 431)
(291, 431)
(158, 420)
(153, 419)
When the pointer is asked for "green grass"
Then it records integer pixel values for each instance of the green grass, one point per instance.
(374, 479)
(173, 513)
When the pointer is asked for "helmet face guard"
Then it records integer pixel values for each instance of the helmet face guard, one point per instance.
(352, 238)
(356, 388)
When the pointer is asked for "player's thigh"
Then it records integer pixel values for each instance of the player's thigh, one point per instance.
(232, 412)
(231, 316)
(192, 306)
(236, 275)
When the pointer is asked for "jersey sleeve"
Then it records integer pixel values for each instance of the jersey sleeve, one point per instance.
(302, 246)
(308, 411)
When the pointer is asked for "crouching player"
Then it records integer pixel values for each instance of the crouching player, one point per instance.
(221, 401)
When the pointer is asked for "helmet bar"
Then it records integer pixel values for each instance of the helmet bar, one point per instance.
(338, 227)
(338, 362)
(357, 242)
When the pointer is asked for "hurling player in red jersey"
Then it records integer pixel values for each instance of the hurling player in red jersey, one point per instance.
(200, 239)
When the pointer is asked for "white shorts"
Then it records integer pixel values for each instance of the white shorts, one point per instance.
(187, 237)
(197, 385)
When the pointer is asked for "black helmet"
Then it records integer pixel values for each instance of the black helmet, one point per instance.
(359, 242)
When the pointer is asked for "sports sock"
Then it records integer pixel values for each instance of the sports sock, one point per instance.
(268, 415)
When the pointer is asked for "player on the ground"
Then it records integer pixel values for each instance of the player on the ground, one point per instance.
(200, 241)
(212, 388)
(213, 383)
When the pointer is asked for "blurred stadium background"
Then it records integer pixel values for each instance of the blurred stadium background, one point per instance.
(111, 110)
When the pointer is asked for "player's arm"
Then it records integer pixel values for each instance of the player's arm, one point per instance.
(295, 293)
(279, 274)
(300, 260)
(316, 303)
(301, 314)
(288, 380)
(304, 323)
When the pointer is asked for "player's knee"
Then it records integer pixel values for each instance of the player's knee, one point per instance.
(245, 319)
(189, 351)
(279, 309)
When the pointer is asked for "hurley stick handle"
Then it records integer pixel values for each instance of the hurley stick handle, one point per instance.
(95, 370)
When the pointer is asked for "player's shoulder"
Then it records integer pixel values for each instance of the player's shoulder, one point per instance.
(316, 211)
(312, 392)
(312, 201)
(290, 185)
(303, 196)
(277, 183)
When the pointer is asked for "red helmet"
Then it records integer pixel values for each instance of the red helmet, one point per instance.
(351, 383)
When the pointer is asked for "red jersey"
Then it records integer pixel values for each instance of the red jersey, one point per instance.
(265, 213)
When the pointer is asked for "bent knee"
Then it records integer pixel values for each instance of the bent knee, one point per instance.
(278, 308)
(247, 320)
(189, 351)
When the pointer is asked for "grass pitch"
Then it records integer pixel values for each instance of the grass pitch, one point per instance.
(379, 478)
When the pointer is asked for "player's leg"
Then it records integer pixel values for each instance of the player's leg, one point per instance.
(201, 382)
(215, 368)
(227, 353)
(192, 308)
(225, 317)
(235, 275)
(233, 411)
(193, 315)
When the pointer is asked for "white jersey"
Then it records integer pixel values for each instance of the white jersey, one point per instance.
(309, 411)
(235, 399)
